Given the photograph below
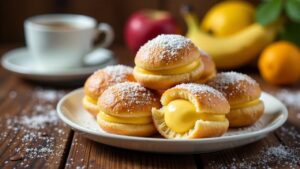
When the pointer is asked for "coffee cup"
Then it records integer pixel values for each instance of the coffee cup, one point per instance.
(60, 41)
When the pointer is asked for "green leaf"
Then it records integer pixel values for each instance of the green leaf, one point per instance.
(291, 33)
(292, 8)
(268, 12)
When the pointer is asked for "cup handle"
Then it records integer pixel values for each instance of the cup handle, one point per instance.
(109, 35)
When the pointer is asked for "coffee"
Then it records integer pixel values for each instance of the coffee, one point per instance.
(61, 41)
(59, 25)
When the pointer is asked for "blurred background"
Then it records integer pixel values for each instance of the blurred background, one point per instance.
(115, 12)
(257, 35)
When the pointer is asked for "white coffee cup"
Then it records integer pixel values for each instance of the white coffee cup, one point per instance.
(60, 41)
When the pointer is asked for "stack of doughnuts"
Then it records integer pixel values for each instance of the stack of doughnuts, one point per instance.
(174, 90)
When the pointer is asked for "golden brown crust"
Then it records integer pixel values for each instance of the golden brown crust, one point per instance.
(90, 107)
(166, 52)
(201, 129)
(204, 129)
(128, 99)
(205, 98)
(236, 87)
(163, 82)
(245, 116)
(210, 70)
(127, 129)
(103, 78)
(205, 79)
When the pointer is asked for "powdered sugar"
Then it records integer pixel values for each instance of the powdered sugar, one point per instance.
(118, 72)
(292, 133)
(134, 93)
(280, 151)
(227, 80)
(170, 43)
(32, 137)
(48, 94)
(199, 88)
(290, 98)
(39, 121)
(103, 78)
(12, 94)
(280, 155)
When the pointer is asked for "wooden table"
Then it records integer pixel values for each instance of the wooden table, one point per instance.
(33, 137)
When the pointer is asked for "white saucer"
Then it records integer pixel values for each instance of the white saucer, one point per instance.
(20, 62)
(72, 113)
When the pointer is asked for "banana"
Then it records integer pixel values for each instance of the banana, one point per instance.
(233, 51)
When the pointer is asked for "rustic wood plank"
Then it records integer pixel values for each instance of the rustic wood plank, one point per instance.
(18, 99)
(289, 133)
(85, 153)
(89, 154)
(289, 95)
(31, 134)
(266, 153)
(278, 150)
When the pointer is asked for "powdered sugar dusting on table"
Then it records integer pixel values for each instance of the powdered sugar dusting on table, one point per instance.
(33, 139)
(269, 156)
(171, 44)
(289, 98)
(279, 155)
(48, 94)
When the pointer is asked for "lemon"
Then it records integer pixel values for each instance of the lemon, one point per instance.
(228, 17)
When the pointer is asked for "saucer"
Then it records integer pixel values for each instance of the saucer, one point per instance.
(20, 62)
(71, 112)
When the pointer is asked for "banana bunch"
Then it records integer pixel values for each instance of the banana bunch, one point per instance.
(235, 50)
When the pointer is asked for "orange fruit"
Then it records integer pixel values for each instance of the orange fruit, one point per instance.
(279, 63)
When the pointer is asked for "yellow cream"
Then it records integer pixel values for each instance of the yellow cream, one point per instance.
(181, 115)
(91, 100)
(179, 70)
(125, 120)
(247, 104)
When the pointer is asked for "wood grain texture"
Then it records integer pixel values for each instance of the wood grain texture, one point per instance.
(88, 154)
(246, 156)
(20, 99)
(289, 133)
(31, 134)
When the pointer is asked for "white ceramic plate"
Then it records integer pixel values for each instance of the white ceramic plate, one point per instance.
(72, 113)
(20, 62)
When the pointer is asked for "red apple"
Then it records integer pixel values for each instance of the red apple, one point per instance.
(147, 24)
